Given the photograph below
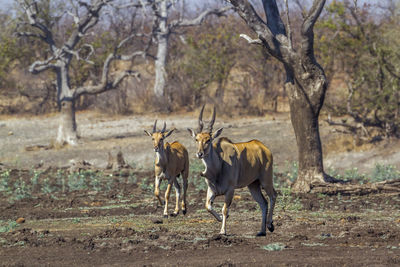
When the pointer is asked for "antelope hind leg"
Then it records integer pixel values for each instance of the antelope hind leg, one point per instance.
(185, 186)
(178, 196)
(256, 193)
(272, 199)
(267, 184)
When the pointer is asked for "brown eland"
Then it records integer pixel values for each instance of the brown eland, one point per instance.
(231, 165)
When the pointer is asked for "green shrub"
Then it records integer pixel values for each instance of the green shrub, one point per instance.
(274, 246)
(77, 181)
(384, 172)
(10, 225)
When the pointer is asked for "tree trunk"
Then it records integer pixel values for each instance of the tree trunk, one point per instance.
(305, 125)
(161, 74)
(162, 52)
(67, 133)
(306, 89)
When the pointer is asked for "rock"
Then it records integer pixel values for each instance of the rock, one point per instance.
(20, 220)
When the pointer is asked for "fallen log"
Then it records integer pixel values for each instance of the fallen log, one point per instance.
(389, 186)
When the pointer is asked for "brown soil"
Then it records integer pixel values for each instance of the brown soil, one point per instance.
(123, 225)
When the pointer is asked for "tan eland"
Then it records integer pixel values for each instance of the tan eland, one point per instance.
(171, 161)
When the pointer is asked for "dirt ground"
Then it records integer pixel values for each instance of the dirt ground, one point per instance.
(99, 217)
(123, 225)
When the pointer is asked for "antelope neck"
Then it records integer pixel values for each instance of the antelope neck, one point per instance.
(212, 164)
(161, 157)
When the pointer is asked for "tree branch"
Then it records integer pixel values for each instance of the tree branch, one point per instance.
(31, 13)
(274, 21)
(312, 16)
(39, 66)
(250, 40)
(272, 43)
(76, 53)
(30, 34)
(86, 22)
(301, 7)
(289, 30)
(199, 19)
(307, 28)
(105, 83)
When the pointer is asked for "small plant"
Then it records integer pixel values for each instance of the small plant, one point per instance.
(46, 187)
(35, 179)
(76, 220)
(4, 180)
(287, 201)
(132, 179)
(8, 227)
(292, 170)
(77, 181)
(384, 172)
(287, 176)
(354, 175)
(21, 190)
(197, 181)
(109, 183)
(274, 246)
(145, 185)
(95, 183)
(60, 177)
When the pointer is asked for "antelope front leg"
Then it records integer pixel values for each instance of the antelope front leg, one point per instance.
(157, 190)
(210, 199)
(178, 196)
(167, 193)
(225, 210)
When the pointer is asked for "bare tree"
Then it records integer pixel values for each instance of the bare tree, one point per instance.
(164, 27)
(61, 54)
(306, 82)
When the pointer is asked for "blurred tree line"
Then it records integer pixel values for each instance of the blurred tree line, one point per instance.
(358, 46)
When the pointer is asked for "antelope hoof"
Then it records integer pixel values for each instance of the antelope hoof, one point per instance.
(261, 234)
(165, 216)
(271, 228)
(222, 232)
(174, 214)
(184, 212)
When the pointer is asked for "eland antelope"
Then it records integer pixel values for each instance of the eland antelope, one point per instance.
(231, 165)
(171, 161)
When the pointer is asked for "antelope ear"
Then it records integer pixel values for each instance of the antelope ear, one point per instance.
(217, 133)
(169, 133)
(192, 133)
(149, 134)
